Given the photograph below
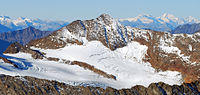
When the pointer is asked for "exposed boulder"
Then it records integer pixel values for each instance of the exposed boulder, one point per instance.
(52, 59)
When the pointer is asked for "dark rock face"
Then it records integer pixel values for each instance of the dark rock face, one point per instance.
(104, 29)
(23, 36)
(33, 86)
(186, 29)
(48, 42)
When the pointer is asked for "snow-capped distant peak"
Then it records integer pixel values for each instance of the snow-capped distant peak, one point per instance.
(191, 19)
(4, 17)
(128, 19)
(144, 15)
(165, 22)
(144, 18)
(22, 18)
(23, 22)
(167, 15)
(168, 18)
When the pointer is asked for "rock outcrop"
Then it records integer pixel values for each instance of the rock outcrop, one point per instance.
(13, 48)
(16, 48)
(92, 68)
(9, 62)
(32, 86)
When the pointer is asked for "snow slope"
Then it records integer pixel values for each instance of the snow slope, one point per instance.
(125, 63)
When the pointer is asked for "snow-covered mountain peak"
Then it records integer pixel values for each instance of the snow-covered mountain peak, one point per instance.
(169, 18)
(144, 15)
(104, 29)
(105, 19)
(105, 16)
(23, 19)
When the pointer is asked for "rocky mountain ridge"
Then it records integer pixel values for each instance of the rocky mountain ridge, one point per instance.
(176, 52)
(104, 29)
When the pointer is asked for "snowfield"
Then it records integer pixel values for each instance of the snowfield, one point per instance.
(125, 63)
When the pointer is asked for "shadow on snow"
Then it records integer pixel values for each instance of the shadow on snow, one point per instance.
(23, 64)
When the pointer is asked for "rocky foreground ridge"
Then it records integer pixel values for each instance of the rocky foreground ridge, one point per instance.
(32, 86)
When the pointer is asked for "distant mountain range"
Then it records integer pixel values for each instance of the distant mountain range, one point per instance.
(4, 28)
(165, 23)
(23, 36)
(187, 29)
(10, 24)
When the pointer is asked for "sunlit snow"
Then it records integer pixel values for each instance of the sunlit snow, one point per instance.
(125, 63)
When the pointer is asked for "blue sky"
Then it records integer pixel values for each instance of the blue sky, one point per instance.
(86, 9)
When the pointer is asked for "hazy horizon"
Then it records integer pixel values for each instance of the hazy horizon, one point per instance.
(87, 9)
